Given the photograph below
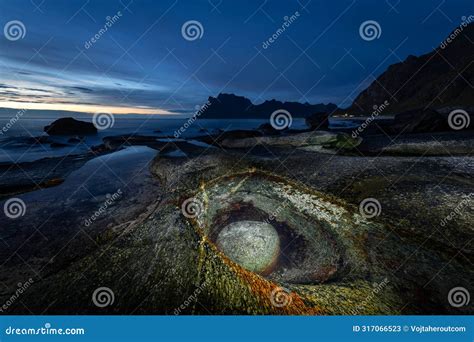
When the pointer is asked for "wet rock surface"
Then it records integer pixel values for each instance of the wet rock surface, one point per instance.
(422, 144)
(332, 259)
(65, 223)
(318, 140)
(17, 178)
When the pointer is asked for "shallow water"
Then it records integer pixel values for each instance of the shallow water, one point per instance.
(107, 190)
(15, 147)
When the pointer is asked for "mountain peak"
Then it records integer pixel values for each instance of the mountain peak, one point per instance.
(438, 80)
(226, 106)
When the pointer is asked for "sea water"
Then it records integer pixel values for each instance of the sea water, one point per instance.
(16, 141)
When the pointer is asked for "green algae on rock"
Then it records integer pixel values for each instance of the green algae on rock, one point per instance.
(328, 140)
(319, 237)
(330, 256)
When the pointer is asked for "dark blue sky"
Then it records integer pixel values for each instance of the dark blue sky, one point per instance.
(143, 63)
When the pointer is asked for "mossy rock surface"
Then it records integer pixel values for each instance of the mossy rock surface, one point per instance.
(333, 261)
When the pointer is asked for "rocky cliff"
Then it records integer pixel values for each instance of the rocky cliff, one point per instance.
(441, 80)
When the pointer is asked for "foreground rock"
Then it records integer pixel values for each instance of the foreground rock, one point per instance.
(337, 260)
(316, 139)
(163, 145)
(318, 120)
(419, 144)
(70, 126)
(215, 139)
(18, 178)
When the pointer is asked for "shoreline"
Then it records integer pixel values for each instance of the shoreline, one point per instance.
(52, 171)
(143, 249)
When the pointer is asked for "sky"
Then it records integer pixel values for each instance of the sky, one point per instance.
(145, 61)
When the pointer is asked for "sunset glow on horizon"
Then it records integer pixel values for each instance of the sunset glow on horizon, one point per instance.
(83, 108)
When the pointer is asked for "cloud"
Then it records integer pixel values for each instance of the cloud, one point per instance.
(143, 60)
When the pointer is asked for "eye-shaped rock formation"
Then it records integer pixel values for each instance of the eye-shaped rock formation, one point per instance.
(187, 253)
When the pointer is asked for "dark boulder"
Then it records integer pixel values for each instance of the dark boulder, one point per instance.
(70, 126)
(38, 140)
(318, 121)
(268, 129)
(57, 145)
(75, 140)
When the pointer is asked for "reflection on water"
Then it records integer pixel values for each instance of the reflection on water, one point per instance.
(99, 177)
(16, 143)
(65, 220)
(337, 123)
